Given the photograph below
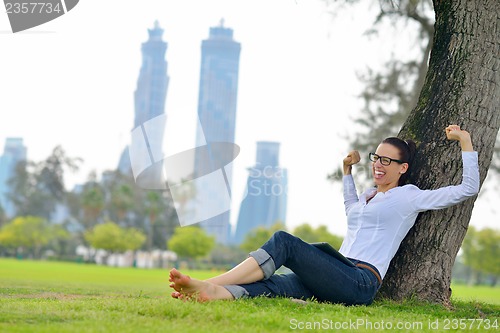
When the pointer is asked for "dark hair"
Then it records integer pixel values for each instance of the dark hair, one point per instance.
(407, 150)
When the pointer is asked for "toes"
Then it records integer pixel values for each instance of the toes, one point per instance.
(180, 296)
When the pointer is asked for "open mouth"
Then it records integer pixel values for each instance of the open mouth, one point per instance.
(378, 174)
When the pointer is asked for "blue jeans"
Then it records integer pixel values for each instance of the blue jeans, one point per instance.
(315, 274)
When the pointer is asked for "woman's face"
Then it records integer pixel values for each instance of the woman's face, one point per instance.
(387, 176)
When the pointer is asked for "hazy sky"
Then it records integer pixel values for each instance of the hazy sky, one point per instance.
(71, 82)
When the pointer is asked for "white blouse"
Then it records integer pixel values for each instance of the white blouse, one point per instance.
(376, 229)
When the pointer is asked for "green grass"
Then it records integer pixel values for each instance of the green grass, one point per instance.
(64, 297)
(482, 293)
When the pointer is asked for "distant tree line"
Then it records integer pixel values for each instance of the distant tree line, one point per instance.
(480, 257)
(32, 234)
(38, 193)
(112, 214)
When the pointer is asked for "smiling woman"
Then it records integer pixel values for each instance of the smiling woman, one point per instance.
(378, 220)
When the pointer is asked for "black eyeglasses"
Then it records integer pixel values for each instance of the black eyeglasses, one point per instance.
(384, 160)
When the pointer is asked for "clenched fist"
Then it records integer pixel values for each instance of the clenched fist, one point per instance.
(453, 132)
(351, 159)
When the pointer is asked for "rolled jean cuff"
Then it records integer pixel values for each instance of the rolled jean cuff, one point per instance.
(265, 262)
(237, 291)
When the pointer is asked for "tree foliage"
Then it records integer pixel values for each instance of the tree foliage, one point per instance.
(3, 216)
(151, 211)
(116, 197)
(111, 237)
(133, 238)
(319, 234)
(481, 250)
(257, 237)
(31, 233)
(191, 242)
(88, 203)
(37, 188)
(93, 201)
(153, 204)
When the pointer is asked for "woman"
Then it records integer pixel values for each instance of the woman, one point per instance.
(377, 223)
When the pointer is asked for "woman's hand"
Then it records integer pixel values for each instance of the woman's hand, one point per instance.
(351, 159)
(453, 132)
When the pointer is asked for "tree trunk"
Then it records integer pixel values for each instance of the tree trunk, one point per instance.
(462, 87)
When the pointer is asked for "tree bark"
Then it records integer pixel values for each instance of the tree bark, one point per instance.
(462, 87)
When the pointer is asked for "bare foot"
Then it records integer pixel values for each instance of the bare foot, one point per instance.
(187, 288)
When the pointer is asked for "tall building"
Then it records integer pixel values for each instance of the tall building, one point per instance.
(151, 91)
(14, 152)
(265, 194)
(220, 55)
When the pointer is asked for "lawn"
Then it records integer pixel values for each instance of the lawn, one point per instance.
(64, 297)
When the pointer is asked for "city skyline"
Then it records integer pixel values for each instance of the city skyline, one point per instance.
(298, 73)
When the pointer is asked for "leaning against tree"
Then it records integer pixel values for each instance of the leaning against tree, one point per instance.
(377, 220)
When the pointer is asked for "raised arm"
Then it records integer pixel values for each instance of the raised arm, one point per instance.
(451, 195)
(350, 194)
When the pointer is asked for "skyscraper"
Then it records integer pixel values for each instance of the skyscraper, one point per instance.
(151, 91)
(220, 55)
(266, 193)
(14, 152)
